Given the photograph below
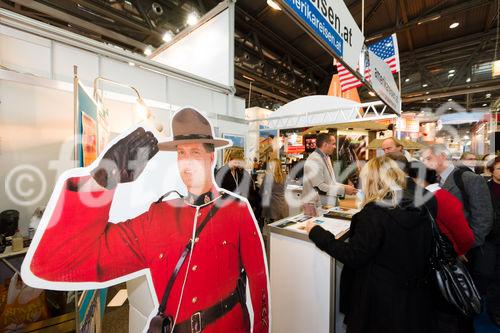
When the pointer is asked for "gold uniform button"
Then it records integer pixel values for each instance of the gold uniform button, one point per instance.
(197, 239)
(194, 268)
(199, 214)
(160, 256)
(194, 300)
(224, 242)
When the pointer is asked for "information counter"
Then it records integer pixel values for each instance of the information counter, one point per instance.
(304, 279)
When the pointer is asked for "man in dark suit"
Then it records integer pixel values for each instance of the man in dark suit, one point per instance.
(474, 195)
(472, 190)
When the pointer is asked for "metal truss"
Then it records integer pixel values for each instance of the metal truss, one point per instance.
(358, 112)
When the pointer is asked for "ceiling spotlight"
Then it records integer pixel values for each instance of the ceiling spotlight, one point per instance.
(429, 99)
(433, 18)
(485, 104)
(450, 99)
(427, 93)
(407, 80)
(148, 50)
(130, 63)
(488, 95)
(468, 80)
(371, 93)
(192, 19)
(451, 71)
(273, 5)
(168, 36)
(454, 25)
(451, 75)
(424, 85)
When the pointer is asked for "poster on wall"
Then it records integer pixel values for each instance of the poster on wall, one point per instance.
(352, 150)
(198, 245)
(92, 127)
(266, 143)
(86, 127)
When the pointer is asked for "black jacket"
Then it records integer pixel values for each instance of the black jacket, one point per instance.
(385, 281)
(494, 235)
(244, 187)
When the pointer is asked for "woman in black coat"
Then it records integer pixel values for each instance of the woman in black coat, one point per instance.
(385, 280)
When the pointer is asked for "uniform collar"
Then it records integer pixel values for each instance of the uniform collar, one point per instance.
(202, 199)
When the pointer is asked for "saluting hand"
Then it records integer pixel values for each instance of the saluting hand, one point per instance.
(126, 159)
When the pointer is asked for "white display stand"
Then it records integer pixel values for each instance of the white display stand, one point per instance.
(304, 279)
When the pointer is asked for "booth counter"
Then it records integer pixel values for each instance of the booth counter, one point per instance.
(304, 279)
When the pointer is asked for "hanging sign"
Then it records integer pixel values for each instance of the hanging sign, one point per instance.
(331, 22)
(383, 82)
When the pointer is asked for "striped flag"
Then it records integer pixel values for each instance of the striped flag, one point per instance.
(386, 49)
(347, 80)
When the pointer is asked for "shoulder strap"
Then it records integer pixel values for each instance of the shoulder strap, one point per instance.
(184, 254)
(167, 194)
(459, 181)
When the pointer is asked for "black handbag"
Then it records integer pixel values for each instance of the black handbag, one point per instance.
(162, 323)
(453, 278)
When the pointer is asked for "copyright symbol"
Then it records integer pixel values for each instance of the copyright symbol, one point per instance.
(16, 189)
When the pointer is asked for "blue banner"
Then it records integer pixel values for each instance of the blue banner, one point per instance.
(318, 23)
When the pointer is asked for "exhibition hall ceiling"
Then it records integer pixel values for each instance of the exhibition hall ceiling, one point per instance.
(446, 46)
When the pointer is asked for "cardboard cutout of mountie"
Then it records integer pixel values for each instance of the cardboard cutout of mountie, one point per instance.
(198, 250)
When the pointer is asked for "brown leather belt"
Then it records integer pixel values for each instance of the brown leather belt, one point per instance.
(203, 318)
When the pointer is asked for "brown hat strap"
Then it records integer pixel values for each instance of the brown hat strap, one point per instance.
(193, 137)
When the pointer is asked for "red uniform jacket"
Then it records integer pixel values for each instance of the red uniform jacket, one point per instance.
(81, 246)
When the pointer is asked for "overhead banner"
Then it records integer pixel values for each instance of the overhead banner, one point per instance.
(332, 23)
(383, 82)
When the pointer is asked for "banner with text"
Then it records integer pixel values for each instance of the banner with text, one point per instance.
(383, 82)
(331, 21)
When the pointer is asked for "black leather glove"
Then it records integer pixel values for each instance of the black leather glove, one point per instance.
(126, 159)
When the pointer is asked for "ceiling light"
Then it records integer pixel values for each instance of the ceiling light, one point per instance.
(451, 71)
(371, 93)
(425, 85)
(468, 80)
(450, 99)
(273, 5)
(374, 37)
(429, 99)
(141, 109)
(192, 19)
(496, 68)
(433, 18)
(454, 25)
(168, 36)
(248, 78)
(427, 93)
(407, 80)
(485, 104)
(488, 95)
(130, 63)
(451, 75)
(148, 50)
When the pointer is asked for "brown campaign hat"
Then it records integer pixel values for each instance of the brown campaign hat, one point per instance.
(189, 126)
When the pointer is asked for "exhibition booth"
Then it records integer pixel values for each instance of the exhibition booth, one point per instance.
(63, 98)
(68, 99)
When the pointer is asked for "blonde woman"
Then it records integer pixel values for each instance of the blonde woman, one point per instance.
(385, 280)
(272, 191)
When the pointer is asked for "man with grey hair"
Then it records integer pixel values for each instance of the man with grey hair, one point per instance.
(472, 190)
(469, 188)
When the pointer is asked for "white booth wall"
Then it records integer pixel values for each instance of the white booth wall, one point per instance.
(36, 105)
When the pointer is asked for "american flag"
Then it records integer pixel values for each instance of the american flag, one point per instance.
(386, 49)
